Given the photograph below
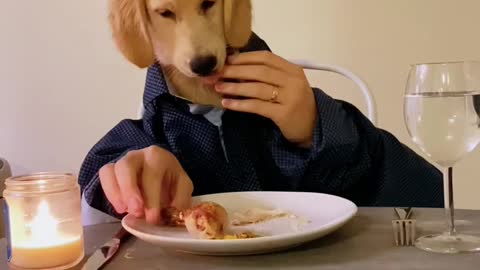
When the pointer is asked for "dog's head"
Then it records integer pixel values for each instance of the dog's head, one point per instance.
(191, 35)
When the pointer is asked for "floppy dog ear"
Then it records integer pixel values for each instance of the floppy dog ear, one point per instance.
(238, 22)
(128, 20)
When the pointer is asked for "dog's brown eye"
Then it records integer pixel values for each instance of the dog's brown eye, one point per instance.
(167, 14)
(206, 5)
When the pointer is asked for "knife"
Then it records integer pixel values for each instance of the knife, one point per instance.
(103, 255)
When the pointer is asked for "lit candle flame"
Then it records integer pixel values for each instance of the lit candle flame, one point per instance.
(44, 226)
(40, 231)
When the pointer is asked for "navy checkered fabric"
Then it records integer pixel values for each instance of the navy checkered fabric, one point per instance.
(350, 157)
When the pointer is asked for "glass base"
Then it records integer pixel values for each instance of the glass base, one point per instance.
(449, 244)
(61, 267)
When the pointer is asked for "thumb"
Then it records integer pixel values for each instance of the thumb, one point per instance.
(152, 182)
(182, 192)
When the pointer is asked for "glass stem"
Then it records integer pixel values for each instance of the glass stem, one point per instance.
(451, 206)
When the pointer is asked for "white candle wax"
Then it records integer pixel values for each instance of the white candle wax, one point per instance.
(62, 253)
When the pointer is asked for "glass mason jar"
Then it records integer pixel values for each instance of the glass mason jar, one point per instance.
(43, 221)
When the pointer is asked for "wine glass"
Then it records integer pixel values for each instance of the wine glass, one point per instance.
(442, 115)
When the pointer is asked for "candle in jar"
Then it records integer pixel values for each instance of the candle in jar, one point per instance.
(44, 245)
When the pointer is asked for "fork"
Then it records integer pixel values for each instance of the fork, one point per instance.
(404, 228)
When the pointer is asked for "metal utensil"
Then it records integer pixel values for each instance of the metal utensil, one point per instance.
(404, 228)
(106, 252)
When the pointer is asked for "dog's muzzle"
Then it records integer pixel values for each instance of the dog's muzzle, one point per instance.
(204, 65)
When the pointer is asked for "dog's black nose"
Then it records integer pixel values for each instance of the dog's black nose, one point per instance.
(204, 65)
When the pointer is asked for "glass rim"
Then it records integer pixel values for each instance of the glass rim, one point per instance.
(41, 182)
(445, 63)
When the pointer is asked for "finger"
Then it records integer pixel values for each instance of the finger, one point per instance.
(126, 171)
(182, 192)
(153, 180)
(258, 73)
(264, 58)
(261, 91)
(110, 187)
(256, 106)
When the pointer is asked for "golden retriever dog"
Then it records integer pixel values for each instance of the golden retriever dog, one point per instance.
(188, 38)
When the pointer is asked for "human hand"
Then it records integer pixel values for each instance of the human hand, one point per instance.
(273, 88)
(144, 182)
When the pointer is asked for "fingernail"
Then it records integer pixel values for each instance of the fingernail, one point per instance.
(226, 102)
(122, 208)
(232, 57)
(153, 216)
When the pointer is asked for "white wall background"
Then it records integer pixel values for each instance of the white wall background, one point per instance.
(63, 84)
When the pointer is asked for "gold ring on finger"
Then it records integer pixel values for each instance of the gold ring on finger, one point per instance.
(274, 98)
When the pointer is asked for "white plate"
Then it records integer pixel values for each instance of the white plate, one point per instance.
(325, 214)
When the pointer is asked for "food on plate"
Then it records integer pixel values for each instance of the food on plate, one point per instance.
(242, 235)
(207, 220)
(256, 215)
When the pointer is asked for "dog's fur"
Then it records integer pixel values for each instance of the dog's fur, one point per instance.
(145, 31)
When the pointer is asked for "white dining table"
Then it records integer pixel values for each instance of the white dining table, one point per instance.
(366, 242)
